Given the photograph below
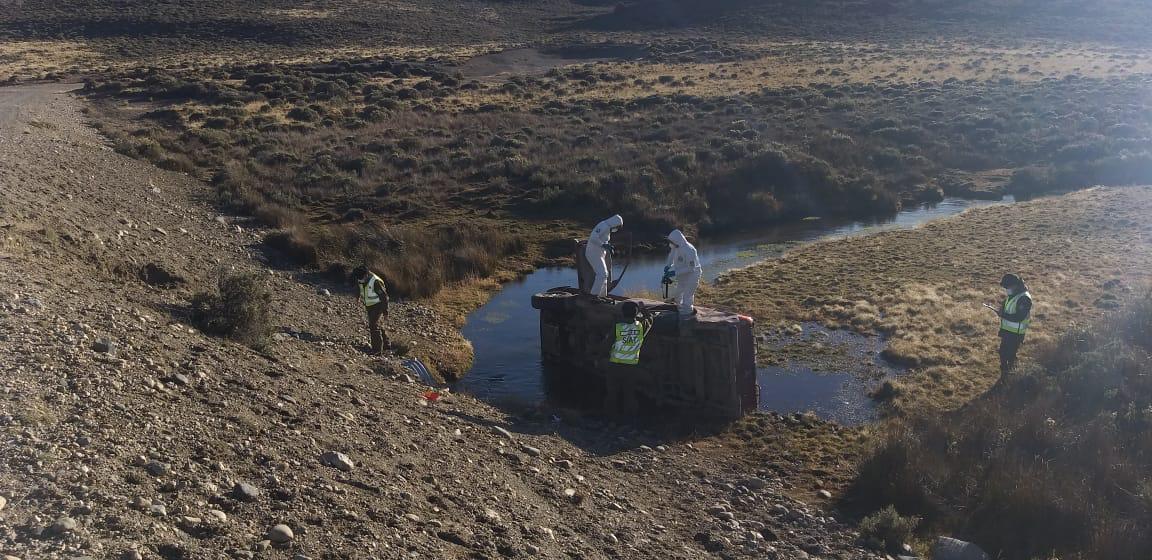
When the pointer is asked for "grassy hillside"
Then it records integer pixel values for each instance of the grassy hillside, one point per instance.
(363, 158)
(1054, 462)
(219, 24)
(52, 38)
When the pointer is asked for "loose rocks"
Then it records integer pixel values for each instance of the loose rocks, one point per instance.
(280, 534)
(245, 492)
(337, 460)
(104, 346)
(754, 484)
(61, 526)
(156, 468)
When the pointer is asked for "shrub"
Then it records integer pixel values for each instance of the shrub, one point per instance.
(276, 215)
(1057, 463)
(887, 158)
(219, 123)
(417, 261)
(887, 529)
(293, 247)
(887, 391)
(780, 183)
(1029, 182)
(238, 309)
(902, 135)
(303, 114)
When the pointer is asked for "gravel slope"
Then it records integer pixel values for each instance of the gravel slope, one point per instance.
(176, 445)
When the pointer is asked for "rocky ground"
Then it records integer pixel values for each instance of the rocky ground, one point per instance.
(126, 433)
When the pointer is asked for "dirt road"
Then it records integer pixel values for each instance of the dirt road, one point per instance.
(127, 432)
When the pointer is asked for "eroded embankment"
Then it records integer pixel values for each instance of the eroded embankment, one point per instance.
(1080, 255)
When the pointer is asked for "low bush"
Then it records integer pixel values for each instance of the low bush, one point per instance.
(887, 529)
(293, 247)
(423, 261)
(1030, 181)
(1056, 462)
(239, 308)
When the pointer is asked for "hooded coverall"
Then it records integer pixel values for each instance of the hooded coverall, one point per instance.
(597, 253)
(685, 262)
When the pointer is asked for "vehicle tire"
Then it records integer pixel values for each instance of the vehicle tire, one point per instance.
(553, 300)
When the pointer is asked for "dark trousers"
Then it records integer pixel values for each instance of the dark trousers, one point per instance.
(1009, 346)
(379, 338)
(621, 385)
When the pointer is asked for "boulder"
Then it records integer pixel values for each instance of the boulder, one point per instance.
(280, 534)
(337, 460)
(953, 549)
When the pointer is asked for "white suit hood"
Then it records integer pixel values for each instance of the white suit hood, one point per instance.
(603, 231)
(683, 258)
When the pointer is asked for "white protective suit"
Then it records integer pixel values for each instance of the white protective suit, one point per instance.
(597, 254)
(684, 260)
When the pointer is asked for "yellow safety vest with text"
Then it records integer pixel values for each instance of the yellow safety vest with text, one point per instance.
(368, 293)
(1018, 327)
(629, 339)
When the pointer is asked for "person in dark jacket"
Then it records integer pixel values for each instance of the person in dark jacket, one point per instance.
(1015, 317)
(374, 295)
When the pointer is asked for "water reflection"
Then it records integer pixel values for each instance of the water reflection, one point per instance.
(505, 332)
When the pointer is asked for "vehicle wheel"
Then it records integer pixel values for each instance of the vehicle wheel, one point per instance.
(553, 300)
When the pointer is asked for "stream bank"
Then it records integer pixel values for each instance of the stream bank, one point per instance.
(504, 332)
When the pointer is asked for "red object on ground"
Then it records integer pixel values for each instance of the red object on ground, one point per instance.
(431, 396)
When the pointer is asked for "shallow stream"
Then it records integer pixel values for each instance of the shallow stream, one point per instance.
(505, 332)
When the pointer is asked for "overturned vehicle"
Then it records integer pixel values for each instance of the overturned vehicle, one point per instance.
(703, 367)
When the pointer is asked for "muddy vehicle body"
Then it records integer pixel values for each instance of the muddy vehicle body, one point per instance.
(703, 367)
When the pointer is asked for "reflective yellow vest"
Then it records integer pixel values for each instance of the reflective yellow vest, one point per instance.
(629, 339)
(1018, 327)
(368, 293)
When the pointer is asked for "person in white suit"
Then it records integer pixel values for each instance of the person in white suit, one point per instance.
(684, 268)
(599, 243)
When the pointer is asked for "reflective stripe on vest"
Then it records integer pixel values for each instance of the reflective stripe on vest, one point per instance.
(629, 339)
(368, 293)
(1018, 327)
